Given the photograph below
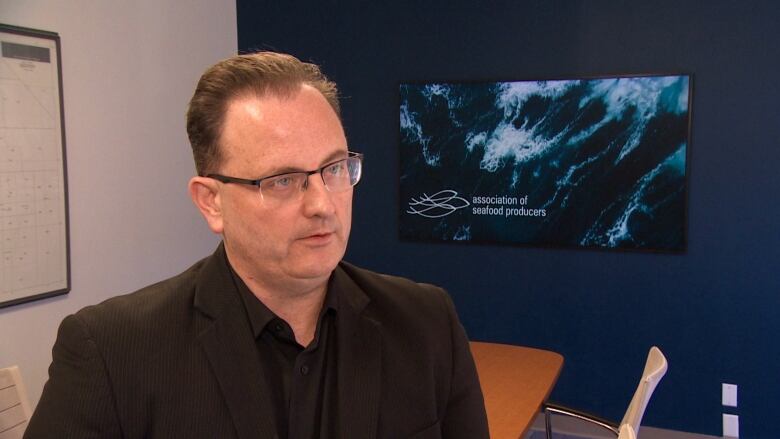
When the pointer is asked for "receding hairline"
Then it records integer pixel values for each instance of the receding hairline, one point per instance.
(250, 93)
(260, 74)
(282, 92)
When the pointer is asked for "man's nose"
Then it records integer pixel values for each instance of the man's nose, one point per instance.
(316, 197)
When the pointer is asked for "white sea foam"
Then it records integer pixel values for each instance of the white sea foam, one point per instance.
(408, 121)
(677, 160)
(568, 180)
(682, 98)
(512, 95)
(619, 231)
(436, 90)
(516, 144)
(508, 143)
(475, 140)
(444, 91)
(645, 94)
(411, 126)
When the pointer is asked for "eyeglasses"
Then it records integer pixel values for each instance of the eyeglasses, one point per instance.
(277, 189)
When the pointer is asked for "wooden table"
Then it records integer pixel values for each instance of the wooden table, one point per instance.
(515, 382)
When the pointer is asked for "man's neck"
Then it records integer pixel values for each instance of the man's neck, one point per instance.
(300, 309)
(298, 301)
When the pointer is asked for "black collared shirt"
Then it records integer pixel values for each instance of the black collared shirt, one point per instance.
(302, 379)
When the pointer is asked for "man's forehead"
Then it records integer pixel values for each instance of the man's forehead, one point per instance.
(254, 101)
(246, 106)
(295, 131)
(274, 108)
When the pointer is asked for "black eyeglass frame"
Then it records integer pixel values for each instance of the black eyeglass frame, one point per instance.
(258, 181)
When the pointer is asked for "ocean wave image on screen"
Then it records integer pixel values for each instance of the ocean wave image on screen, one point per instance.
(597, 163)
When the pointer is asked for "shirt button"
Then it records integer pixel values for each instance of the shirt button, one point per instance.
(304, 370)
(278, 327)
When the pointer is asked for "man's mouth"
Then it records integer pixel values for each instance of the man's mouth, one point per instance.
(318, 237)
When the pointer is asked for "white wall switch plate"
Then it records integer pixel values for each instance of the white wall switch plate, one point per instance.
(730, 426)
(729, 395)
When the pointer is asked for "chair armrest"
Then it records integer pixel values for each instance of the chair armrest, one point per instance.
(551, 408)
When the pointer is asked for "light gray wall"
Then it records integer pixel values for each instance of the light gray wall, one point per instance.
(129, 69)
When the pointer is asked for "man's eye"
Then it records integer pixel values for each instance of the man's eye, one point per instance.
(283, 181)
(335, 169)
(280, 183)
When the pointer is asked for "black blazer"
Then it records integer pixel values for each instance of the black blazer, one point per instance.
(178, 359)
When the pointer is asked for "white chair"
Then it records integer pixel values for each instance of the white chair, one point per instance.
(626, 432)
(14, 406)
(655, 368)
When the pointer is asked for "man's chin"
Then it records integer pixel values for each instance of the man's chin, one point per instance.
(319, 268)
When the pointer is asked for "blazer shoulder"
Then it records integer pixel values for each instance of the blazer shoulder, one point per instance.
(142, 311)
(373, 283)
(395, 300)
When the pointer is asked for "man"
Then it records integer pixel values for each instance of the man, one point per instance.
(273, 336)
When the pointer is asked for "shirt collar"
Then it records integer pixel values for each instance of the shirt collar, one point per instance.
(260, 316)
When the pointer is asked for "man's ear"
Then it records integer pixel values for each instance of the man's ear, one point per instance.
(205, 194)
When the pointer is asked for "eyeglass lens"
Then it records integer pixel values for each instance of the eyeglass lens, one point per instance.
(337, 177)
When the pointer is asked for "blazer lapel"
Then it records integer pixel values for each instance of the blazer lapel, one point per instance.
(229, 345)
(359, 361)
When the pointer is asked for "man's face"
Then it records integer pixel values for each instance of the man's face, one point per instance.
(303, 239)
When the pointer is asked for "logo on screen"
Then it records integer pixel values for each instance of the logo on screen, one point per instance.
(438, 205)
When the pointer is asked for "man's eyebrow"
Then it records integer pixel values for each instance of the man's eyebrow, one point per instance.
(334, 156)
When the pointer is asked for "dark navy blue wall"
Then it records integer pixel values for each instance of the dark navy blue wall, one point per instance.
(713, 310)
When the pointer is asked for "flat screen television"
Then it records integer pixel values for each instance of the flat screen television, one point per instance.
(584, 163)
